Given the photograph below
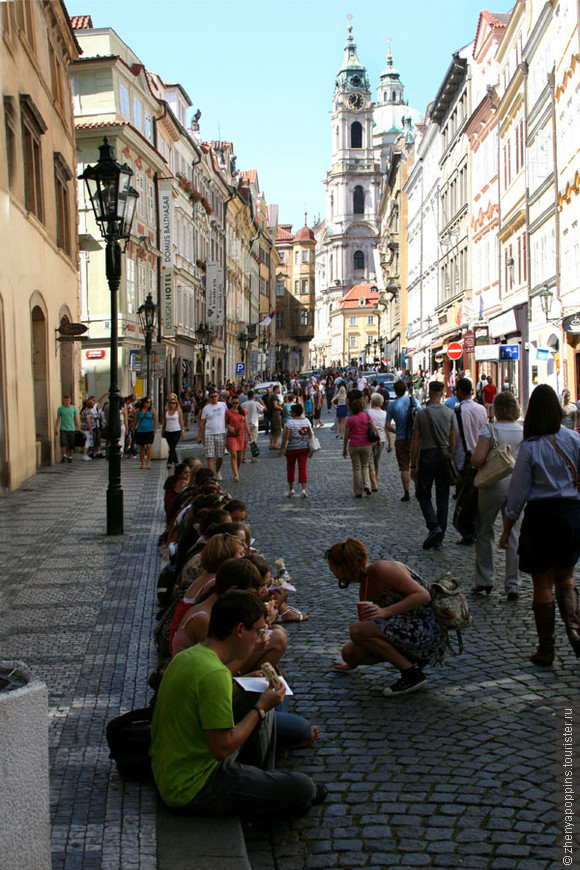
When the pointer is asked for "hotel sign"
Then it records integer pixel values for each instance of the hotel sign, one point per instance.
(214, 294)
(166, 290)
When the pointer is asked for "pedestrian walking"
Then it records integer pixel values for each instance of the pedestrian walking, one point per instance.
(358, 446)
(402, 412)
(172, 428)
(433, 437)
(144, 425)
(570, 411)
(275, 408)
(339, 402)
(489, 391)
(545, 480)
(212, 431)
(396, 622)
(67, 423)
(187, 407)
(317, 402)
(493, 499)
(252, 407)
(470, 418)
(297, 432)
(237, 435)
(379, 418)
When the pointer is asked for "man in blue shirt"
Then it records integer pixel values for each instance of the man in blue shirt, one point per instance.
(402, 412)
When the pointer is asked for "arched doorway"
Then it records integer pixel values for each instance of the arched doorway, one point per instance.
(40, 383)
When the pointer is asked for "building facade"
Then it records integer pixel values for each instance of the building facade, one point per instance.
(39, 291)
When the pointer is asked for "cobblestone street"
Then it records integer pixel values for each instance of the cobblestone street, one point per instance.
(461, 774)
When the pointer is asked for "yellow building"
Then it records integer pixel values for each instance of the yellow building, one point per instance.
(354, 327)
(295, 297)
(38, 270)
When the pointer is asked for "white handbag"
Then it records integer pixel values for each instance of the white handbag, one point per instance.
(498, 464)
(313, 445)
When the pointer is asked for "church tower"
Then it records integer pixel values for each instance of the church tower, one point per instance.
(353, 181)
(348, 237)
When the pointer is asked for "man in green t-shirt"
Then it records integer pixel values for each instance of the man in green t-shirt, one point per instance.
(202, 761)
(67, 420)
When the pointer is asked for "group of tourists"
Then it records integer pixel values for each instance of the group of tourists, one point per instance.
(215, 733)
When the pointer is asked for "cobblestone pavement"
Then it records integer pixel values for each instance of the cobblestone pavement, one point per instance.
(461, 774)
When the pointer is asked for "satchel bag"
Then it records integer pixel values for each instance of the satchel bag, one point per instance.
(233, 432)
(129, 739)
(449, 465)
(313, 444)
(254, 449)
(567, 460)
(450, 609)
(371, 432)
(498, 464)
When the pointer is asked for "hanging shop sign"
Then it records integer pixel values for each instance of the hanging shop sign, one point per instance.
(572, 323)
(69, 329)
(469, 341)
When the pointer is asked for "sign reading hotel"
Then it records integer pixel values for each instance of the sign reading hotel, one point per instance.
(166, 289)
(214, 294)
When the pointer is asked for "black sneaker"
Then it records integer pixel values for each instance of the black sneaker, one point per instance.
(63, 460)
(410, 681)
(320, 796)
(435, 536)
(406, 497)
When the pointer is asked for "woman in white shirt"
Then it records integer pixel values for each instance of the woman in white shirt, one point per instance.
(172, 428)
(297, 431)
(379, 418)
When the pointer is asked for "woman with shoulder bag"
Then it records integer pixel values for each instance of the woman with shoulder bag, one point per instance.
(396, 621)
(545, 480)
(144, 424)
(237, 431)
(297, 433)
(493, 499)
(172, 428)
(358, 446)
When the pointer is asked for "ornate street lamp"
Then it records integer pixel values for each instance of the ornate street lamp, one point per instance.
(146, 314)
(546, 299)
(113, 201)
(204, 336)
(243, 344)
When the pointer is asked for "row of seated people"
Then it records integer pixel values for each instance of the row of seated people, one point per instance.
(209, 547)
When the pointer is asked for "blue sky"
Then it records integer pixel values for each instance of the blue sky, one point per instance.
(262, 72)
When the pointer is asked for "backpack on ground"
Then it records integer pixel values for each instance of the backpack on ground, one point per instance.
(129, 739)
(450, 609)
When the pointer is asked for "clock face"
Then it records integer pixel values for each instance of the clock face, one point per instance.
(355, 101)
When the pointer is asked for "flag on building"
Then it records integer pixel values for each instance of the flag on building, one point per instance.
(268, 318)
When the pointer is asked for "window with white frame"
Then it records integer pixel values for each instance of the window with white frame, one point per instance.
(370, 320)
(124, 105)
(352, 341)
(304, 317)
(137, 113)
(139, 185)
(280, 288)
(129, 269)
(150, 200)
(352, 321)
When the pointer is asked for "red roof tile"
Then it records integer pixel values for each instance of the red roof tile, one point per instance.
(282, 234)
(356, 293)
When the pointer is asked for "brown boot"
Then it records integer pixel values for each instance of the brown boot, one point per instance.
(544, 616)
(567, 598)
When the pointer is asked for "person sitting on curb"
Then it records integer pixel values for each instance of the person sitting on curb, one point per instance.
(202, 761)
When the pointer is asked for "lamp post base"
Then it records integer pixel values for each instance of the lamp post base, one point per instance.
(115, 511)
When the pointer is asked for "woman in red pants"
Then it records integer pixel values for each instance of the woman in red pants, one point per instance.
(297, 431)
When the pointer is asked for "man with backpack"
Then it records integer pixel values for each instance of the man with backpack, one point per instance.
(402, 411)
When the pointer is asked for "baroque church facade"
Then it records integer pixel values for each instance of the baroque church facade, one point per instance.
(363, 132)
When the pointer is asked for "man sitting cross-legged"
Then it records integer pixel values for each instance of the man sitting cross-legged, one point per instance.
(204, 763)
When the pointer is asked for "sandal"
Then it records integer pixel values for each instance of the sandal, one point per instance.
(292, 614)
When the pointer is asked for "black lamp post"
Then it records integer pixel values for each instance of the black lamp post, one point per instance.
(243, 344)
(146, 314)
(113, 201)
(204, 337)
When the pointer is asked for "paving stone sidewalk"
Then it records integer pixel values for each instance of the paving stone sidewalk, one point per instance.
(77, 607)
(459, 775)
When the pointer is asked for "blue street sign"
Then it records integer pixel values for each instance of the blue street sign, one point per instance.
(509, 351)
(240, 368)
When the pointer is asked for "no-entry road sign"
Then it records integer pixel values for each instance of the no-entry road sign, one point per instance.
(454, 350)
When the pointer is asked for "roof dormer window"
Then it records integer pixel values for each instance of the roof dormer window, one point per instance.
(362, 302)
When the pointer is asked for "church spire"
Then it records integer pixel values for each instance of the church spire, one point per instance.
(352, 73)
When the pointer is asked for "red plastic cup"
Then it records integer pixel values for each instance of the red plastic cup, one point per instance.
(360, 607)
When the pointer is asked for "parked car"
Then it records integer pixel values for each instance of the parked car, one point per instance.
(386, 378)
(259, 393)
